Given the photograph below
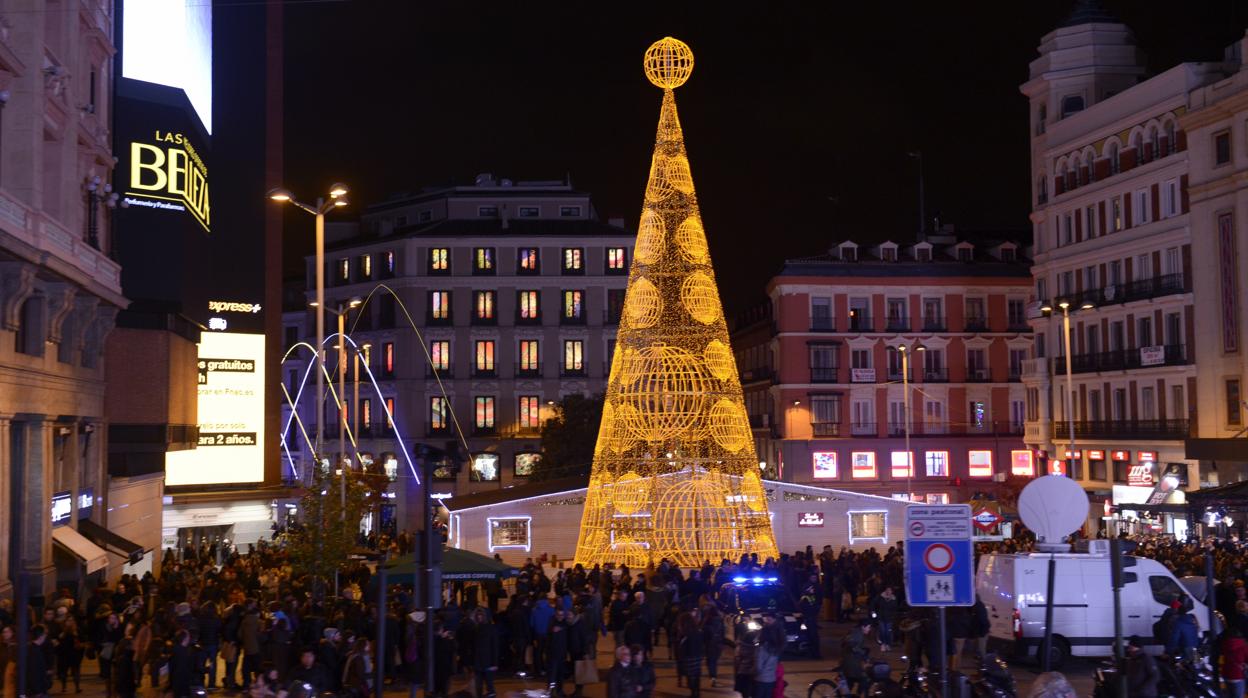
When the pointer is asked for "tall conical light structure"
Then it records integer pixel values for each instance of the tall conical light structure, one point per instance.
(675, 472)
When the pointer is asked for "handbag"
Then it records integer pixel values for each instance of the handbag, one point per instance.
(229, 651)
(586, 672)
(106, 651)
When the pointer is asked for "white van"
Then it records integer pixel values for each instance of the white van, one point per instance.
(1013, 588)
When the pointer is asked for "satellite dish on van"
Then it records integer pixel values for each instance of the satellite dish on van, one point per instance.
(1053, 506)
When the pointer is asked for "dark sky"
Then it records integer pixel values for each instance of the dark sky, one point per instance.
(798, 117)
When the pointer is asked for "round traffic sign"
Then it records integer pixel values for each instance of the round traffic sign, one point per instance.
(916, 528)
(938, 557)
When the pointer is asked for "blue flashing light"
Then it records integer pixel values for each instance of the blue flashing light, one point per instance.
(758, 580)
(738, 580)
(773, 579)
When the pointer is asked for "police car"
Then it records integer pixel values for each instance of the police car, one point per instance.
(745, 601)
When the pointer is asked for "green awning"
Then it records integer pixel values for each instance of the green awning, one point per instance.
(457, 566)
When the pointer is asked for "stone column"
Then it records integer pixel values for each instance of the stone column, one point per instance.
(6, 469)
(35, 478)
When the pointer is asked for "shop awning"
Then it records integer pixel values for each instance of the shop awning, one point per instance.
(457, 565)
(90, 554)
(111, 541)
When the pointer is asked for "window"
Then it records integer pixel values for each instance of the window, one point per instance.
(1067, 229)
(439, 260)
(528, 306)
(483, 306)
(387, 261)
(1022, 463)
(387, 358)
(528, 261)
(573, 306)
(1089, 222)
(487, 212)
(573, 260)
(1008, 254)
(484, 468)
(569, 211)
(868, 525)
(1114, 164)
(483, 358)
(976, 365)
(1141, 208)
(615, 305)
(1144, 331)
(440, 354)
(1016, 312)
(821, 313)
(440, 306)
(937, 463)
(422, 217)
(861, 358)
(979, 463)
(530, 212)
(526, 463)
(529, 356)
(862, 465)
(824, 464)
(573, 356)
(1169, 198)
(965, 254)
(888, 254)
(509, 534)
(617, 260)
(1148, 403)
(901, 463)
(938, 498)
(366, 414)
(1017, 357)
(1115, 205)
(344, 271)
(977, 414)
(484, 412)
(825, 409)
(976, 317)
(1222, 148)
(1234, 415)
(823, 363)
(483, 260)
(1071, 104)
(923, 254)
(529, 412)
(366, 266)
(1042, 115)
(1164, 589)
(390, 413)
(439, 413)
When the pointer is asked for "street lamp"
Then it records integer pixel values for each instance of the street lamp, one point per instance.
(342, 312)
(337, 194)
(1064, 305)
(905, 350)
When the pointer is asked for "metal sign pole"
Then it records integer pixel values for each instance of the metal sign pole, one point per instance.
(1115, 557)
(380, 674)
(944, 655)
(1210, 604)
(427, 555)
(1047, 646)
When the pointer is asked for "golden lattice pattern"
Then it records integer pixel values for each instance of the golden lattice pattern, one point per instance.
(675, 471)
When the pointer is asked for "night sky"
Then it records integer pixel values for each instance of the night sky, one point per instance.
(798, 120)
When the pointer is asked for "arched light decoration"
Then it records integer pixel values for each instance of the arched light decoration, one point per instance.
(675, 471)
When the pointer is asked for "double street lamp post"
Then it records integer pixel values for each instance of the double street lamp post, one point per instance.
(905, 350)
(1065, 305)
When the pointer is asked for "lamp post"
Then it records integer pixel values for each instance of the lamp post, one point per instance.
(1064, 305)
(337, 199)
(342, 312)
(905, 350)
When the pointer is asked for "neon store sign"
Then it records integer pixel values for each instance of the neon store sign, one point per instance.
(169, 175)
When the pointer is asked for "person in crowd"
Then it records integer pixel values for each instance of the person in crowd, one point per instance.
(69, 650)
(126, 669)
(443, 659)
(311, 672)
(1234, 656)
(743, 664)
(712, 640)
(690, 652)
(854, 654)
(556, 652)
(38, 674)
(884, 611)
(357, 674)
(1142, 672)
(808, 604)
(622, 679)
(539, 622)
(771, 642)
(249, 642)
(485, 653)
(209, 624)
(646, 677)
(181, 664)
(617, 616)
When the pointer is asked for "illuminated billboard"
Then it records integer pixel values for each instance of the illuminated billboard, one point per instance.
(167, 173)
(231, 414)
(169, 42)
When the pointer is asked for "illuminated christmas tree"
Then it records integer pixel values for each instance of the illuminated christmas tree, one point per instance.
(675, 472)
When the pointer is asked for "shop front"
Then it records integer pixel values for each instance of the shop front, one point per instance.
(224, 524)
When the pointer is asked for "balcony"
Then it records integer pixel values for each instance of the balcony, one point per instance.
(438, 430)
(1018, 324)
(572, 372)
(863, 429)
(611, 316)
(572, 319)
(439, 320)
(760, 421)
(897, 323)
(824, 374)
(822, 324)
(933, 323)
(535, 372)
(444, 371)
(479, 372)
(1124, 359)
(825, 429)
(895, 375)
(522, 319)
(484, 430)
(1016, 373)
(978, 375)
(482, 320)
(758, 373)
(1141, 289)
(975, 324)
(1172, 429)
(935, 375)
(860, 322)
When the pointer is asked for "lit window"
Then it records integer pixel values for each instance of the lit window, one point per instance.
(901, 464)
(483, 259)
(344, 270)
(439, 413)
(617, 259)
(388, 258)
(528, 305)
(440, 305)
(937, 463)
(573, 259)
(387, 357)
(1022, 463)
(978, 410)
(528, 261)
(868, 525)
(862, 464)
(938, 498)
(573, 305)
(366, 413)
(439, 259)
(484, 411)
(366, 354)
(484, 305)
(824, 463)
(1234, 416)
(980, 463)
(366, 266)
(484, 467)
(530, 414)
(529, 355)
(440, 354)
(484, 361)
(573, 355)
(526, 463)
(509, 534)
(389, 413)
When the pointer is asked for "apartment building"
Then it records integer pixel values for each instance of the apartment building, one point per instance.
(822, 367)
(514, 290)
(1115, 244)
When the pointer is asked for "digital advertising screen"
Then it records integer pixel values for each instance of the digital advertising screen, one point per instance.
(231, 414)
(169, 42)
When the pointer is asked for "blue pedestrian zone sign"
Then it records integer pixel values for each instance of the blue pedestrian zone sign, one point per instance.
(939, 555)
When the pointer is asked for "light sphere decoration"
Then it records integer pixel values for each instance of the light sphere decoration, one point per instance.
(752, 490)
(677, 173)
(700, 297)
(663, 393)
(650, 242)
(725, 425)
(668, 63)
(693, 519)
(630, 552)
(618, 434)
(658, 187)
(630, 493)
(691, 239)
(719, 361)
(644, 305)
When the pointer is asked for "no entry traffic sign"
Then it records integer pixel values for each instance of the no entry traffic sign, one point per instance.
(940, 560)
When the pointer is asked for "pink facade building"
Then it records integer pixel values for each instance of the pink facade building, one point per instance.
(822, 366)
